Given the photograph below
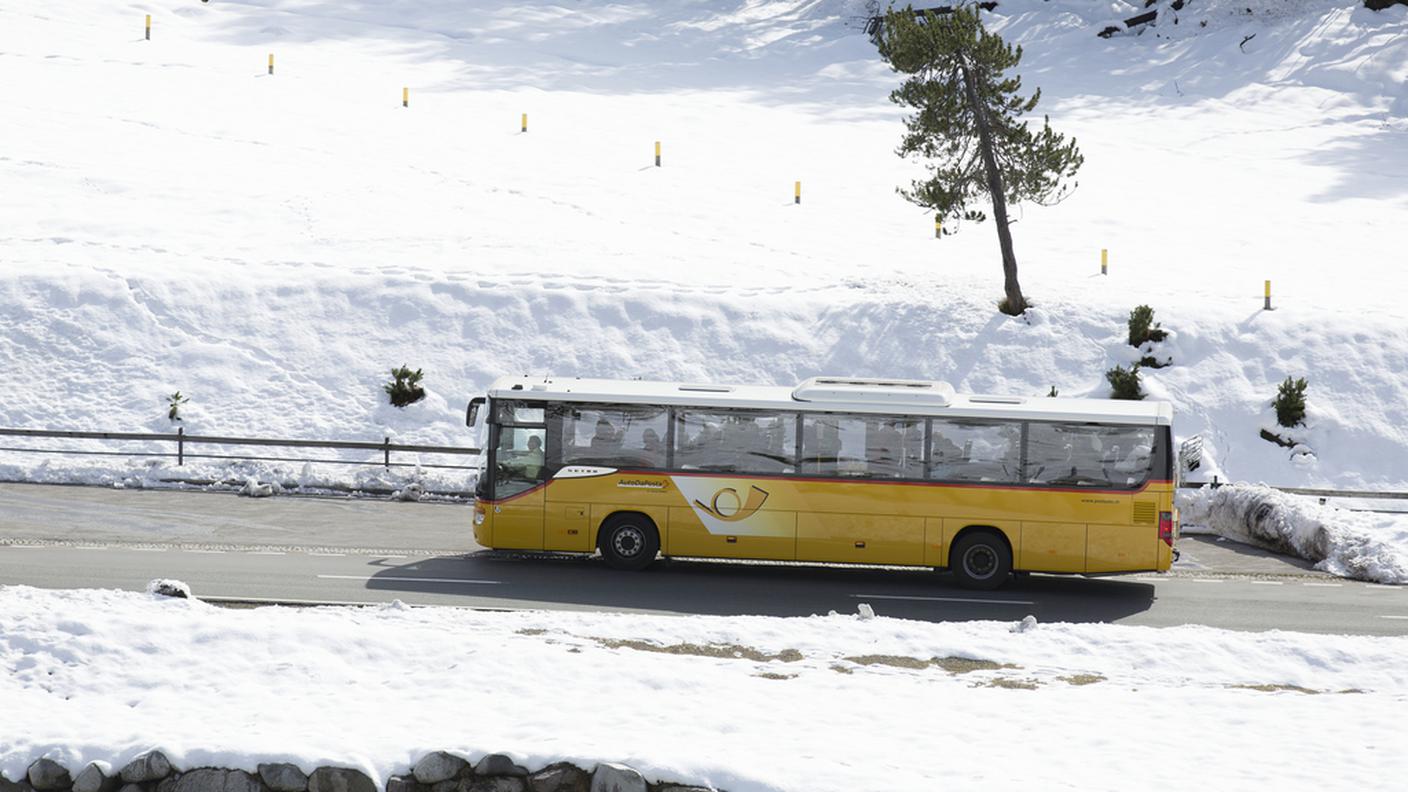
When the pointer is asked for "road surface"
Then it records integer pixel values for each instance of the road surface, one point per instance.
(317, 550)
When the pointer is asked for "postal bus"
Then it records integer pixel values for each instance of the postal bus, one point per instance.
(835, 470)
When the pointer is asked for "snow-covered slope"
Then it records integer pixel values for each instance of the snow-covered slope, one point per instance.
(175, 218)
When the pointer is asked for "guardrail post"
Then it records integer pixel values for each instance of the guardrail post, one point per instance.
(386, 451)
(180, 445)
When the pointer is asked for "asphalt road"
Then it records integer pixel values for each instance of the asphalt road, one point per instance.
(363, 551)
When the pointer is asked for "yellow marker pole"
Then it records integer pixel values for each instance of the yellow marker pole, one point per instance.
(1268, 296)
(657, 153)
(938, 226)
(1104, 261)
(271, 63)
(149, 27)
(523, 127)
(405, 97)
(797, 192)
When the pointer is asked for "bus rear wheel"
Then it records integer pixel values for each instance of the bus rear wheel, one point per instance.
(980, 560)
(629, 541)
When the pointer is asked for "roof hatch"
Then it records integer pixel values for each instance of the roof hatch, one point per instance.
(859, 390)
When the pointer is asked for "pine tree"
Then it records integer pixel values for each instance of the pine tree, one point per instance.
(968, 127)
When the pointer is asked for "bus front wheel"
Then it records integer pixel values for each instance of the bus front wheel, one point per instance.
(629, 541)
(980, 560)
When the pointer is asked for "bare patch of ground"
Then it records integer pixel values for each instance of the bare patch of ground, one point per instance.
(1277, 688)
(1082, 679)
(953, 665)
(1010, 684)
(723, 651)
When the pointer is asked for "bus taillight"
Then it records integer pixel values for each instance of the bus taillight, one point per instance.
(1166, 527)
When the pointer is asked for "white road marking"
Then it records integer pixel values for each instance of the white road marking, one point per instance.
(1380, 586)
(1265, 582)
(89, 547)
(149, 549)
(329, 555)
(208, 552)
(411, 579)
(1324, 585)
(1404, 618)
(266, 552)
(943, 599)
(1205, 580)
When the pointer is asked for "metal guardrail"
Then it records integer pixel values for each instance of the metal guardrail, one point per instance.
(181, 439)
(386, 447)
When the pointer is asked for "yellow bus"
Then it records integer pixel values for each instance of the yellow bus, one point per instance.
(835, 470)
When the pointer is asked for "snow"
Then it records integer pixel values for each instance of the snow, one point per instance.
(750, 704)
(1360, 545)
(272, 245)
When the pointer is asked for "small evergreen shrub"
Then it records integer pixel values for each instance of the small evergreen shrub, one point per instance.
(1290, 402)
(404, 387)
(1143, 328)
(1124, 383)
(173, 406)
(1054, 393)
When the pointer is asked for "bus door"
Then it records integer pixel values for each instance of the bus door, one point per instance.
(520, 472)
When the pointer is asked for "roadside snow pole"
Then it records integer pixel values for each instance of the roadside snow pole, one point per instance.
(149, 27)
(180, 445)
(797, 192)
(938, 226)
(405, 97)
(1267, 307)
(657, 153)
(271, 63)
(523, 125)
(1104, 261)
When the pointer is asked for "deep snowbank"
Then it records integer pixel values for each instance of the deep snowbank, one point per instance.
(1359, 545)
(727, 701)
(310, 361)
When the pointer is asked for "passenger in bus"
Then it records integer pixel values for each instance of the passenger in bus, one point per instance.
(653, 447)
(605, 439)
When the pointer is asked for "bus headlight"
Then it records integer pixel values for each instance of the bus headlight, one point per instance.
(478, 514)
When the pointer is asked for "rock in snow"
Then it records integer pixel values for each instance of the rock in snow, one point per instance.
(152, 766)
(208, 779)
(499, 765)
(93, 779)
(494, 784)
(561, 777)
(283, 777)
(612, 777)
(169, 588)
(866, 612)
(47, 774)
(438, 766)
(339, 779)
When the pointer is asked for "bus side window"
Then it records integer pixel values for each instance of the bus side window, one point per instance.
(1084, 455)
(975, 450)
(736, 441)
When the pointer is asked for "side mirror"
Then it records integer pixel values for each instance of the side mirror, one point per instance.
(471, 413)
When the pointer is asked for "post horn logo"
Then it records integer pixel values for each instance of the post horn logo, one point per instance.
(722, 509)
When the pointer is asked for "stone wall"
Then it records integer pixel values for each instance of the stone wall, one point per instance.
(435, 772)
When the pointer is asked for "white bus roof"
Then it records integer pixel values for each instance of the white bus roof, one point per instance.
(835, 394)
